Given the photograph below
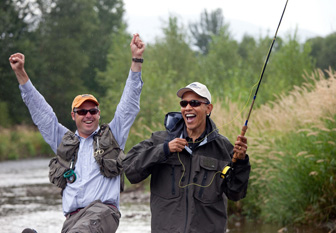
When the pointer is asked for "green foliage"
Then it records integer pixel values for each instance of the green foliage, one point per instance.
(114, 78)
(293, 150)
(109, 21)
(302, 186)
(172, 54)
(65, 43)
(14, 36)
(66, 30)
(286, 68)
(218, 68)
(69, 44)
(4, 115)
(210, 24)
(323, 50)
(22, 142)
(169, 65)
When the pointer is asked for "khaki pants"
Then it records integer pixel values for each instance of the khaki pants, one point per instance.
(95, 218)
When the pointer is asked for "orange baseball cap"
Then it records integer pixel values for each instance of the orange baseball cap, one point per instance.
(79, 99)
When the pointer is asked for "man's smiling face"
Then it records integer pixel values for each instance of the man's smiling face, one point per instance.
(88, 123)
(195, 117)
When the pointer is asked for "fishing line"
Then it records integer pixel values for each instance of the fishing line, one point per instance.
(183, 172)
(244, 128)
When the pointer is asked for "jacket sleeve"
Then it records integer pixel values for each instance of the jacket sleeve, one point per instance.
(142, 157)
(237, 182)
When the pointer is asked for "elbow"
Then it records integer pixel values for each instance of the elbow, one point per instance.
(133, 178)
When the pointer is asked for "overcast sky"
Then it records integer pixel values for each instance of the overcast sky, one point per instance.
(255, 17)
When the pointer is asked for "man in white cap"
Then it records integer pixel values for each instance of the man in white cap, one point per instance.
(186, 163)
(88, 163)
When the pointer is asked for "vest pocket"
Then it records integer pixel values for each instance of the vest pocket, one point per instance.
(56, 171)
(210, 189)
(107, 153)
(110, 162)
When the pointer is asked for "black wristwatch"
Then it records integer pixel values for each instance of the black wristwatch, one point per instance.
(138, 59)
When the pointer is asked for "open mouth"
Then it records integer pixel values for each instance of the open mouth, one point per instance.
(190, 117)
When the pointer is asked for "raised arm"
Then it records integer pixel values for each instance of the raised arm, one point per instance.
(129, 105)
(17, 61)
(41, 112)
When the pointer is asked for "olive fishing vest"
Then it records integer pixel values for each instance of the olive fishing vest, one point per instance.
(107, 154)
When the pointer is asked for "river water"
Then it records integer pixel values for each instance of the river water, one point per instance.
(27, 199)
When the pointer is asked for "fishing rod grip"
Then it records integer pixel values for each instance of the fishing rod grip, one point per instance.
(242, 133)
(227, 170)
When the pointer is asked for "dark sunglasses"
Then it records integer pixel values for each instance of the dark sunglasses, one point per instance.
(193, 103)
(83, 112)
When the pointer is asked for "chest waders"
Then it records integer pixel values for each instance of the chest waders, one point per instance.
(107, 154)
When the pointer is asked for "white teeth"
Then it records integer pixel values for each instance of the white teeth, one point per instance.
(88, 122)
(190, 115)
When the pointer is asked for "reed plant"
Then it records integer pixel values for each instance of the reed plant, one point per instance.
(292, 152)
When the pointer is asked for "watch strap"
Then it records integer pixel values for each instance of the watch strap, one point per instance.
(141, 60)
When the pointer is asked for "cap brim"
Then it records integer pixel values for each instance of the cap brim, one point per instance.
(181, 92)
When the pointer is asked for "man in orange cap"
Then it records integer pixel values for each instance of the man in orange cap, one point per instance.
(88, 162)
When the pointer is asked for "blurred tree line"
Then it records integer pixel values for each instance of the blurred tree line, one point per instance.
(65, 44)
(82, 46)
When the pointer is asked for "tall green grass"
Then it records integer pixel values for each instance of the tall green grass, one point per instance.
(22, 142)
(292, 151)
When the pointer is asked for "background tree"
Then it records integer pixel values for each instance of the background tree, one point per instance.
(253, 53)
(113, 79)
(209, 25)
(168, 64)
(72, 37)
(324, 50)
(286, 68)
(14, 36)
(63, 34)
(109, 21)
(220, 64)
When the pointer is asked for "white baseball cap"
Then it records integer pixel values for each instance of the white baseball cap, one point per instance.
(199, 88)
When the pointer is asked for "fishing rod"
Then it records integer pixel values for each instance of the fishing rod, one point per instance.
(244, 128)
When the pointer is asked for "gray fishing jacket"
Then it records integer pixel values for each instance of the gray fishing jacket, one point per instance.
(186, 187)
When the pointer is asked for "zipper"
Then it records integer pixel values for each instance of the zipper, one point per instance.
(200, 194)
(173, 179)
(187, 192)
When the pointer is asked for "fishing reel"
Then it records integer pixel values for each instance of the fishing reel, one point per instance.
(225, 174)
(70, 174)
